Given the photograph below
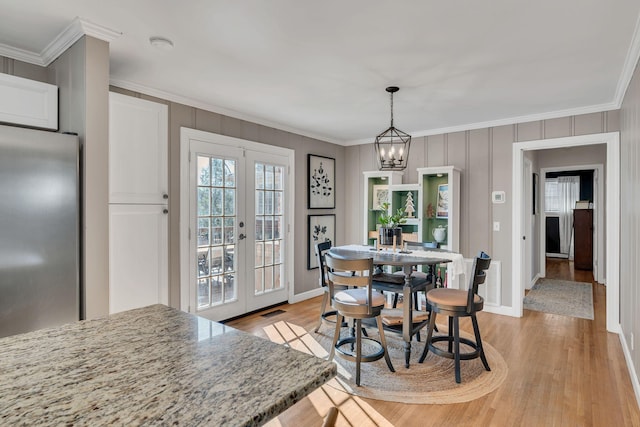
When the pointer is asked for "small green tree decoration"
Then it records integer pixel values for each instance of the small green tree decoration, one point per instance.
(409, 207)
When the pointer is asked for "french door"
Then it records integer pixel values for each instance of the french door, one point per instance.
(238, 244)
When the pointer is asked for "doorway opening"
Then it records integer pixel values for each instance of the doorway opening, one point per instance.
(589, 181)
(612, 227)
(236, 213)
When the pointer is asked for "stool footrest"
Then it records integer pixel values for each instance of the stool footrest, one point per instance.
(348, 355)
(450, 355)
(327, 317)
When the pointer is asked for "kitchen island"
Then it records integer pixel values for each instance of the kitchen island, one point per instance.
(154, 366)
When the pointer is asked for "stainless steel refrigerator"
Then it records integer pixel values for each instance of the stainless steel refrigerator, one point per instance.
(39, 230)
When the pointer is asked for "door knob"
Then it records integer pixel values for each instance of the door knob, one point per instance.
(242, 237)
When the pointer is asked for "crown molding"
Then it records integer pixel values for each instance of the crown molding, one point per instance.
(630, 62)
(72, 33)
(599, 108)
(21, 55)
(79, 27)
(168, 96)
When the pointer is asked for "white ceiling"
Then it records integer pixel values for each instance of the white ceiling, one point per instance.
(320, 68)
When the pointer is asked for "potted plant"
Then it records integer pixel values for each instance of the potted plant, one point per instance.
(391, 225)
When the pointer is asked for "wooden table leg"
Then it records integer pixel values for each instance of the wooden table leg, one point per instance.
(407, 321)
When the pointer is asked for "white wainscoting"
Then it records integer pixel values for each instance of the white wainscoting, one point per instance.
(491, 291)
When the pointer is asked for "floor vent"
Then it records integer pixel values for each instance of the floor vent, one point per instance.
(273, 313)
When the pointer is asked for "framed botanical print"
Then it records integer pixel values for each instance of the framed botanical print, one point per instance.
(321, 182)
(320, 228)
(442, 206)
(380, 196)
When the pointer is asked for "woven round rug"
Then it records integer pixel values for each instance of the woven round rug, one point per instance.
(430, 382)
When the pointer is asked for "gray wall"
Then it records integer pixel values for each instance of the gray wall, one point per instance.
(22, 69)
(630, 216)
(82, 76)
(182, 115)
(485, 157)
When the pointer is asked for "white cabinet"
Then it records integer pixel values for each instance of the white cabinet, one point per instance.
(28, 102)
(138, 253)
(138, 151)
(138, 197)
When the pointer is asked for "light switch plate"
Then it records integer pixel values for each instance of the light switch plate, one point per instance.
(498, 197)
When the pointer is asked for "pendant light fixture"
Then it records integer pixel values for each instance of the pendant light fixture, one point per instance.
(392, 145)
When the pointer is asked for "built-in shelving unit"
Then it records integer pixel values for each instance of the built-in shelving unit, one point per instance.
(436, 200)
(439, 205)
(398, 195)
(376, 190)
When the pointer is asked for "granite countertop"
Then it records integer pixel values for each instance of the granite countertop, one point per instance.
(150, 366)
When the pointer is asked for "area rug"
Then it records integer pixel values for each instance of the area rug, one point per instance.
(431, 382)
(562, 297)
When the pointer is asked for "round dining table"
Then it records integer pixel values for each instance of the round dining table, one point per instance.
(395, 283)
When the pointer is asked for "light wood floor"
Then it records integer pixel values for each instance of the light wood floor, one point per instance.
(563, 371)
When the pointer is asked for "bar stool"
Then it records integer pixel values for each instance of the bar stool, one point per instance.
(359, 302)
(457, 303)
(321, 249)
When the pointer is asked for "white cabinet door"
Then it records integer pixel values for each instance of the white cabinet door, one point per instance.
(138, 268)
(138, 165)
(28, 102)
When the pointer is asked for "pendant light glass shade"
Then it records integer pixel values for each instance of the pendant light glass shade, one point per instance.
(392, 145)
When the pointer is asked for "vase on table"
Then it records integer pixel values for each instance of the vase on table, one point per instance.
(439, 234)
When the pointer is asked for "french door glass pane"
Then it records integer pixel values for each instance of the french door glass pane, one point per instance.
(259, 254)
(216, 270)
(269, 219)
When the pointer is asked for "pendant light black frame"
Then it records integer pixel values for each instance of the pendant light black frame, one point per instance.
(392, 145)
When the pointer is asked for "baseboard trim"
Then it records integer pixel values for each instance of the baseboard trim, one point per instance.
(534, 280)
(632, 370)
(502, 310)
(554, 255)
(306, 295)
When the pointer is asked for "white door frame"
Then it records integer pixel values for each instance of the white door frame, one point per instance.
(612, 255)
(598, 191)
(528, 219)
(186, 135)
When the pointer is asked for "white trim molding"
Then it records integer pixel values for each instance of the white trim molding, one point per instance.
(186, 136)
(190, 102)
(612, 202)
(306, 295)
(72, 33)
(630, 366)
(598, 108)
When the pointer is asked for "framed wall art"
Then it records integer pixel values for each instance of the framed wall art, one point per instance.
(380, 196)
(320, 229)
(321, 178)
(442, 206)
